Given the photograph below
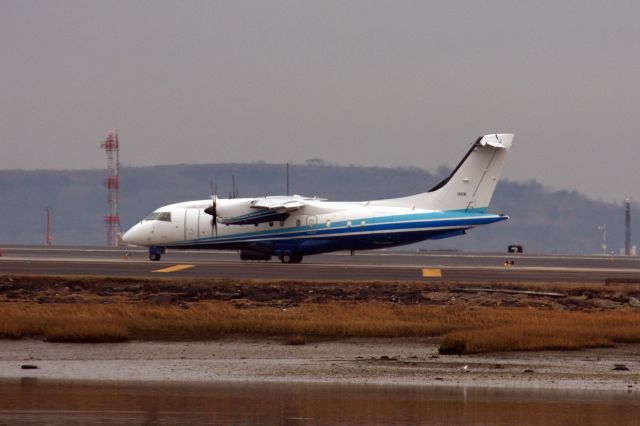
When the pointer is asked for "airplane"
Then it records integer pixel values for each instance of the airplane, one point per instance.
(291, 227)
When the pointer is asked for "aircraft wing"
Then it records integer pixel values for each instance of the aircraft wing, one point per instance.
(280, 204)
(265, 209)
(261, 211)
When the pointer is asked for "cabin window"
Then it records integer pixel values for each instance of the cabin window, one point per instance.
(282, 223)
(271, 224)
(297, 222)
(328, 223)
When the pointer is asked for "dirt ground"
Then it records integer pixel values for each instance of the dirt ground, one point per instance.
(560, 296)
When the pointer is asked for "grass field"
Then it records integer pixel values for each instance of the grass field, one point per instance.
(461, 329)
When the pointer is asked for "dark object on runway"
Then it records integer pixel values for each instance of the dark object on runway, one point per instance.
(29, 367)
(514, 248)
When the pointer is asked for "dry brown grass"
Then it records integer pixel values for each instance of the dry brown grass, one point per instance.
(527, 329)
(213, 319)
(463, 330)
(87, 333)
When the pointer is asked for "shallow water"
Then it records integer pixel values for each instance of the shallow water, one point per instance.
(32, 401)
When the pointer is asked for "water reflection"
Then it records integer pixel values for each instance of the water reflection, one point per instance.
(80, 403)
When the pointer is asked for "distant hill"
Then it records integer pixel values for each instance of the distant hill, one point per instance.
(543, 220)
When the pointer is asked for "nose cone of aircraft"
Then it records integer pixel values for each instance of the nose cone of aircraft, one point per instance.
(134, 235)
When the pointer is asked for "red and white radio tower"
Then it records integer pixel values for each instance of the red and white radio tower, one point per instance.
(112, 220)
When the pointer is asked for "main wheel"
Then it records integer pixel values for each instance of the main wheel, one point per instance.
(154, 256)
(296, 258)
(285, 258)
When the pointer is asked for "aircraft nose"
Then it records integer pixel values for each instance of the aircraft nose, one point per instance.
(134, 235)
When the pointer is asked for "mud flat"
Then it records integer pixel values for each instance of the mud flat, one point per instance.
(351, 361)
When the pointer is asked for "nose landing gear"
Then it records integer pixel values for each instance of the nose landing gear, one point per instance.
(155, 253)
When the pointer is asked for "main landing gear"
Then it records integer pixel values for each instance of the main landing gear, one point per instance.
(290, 258)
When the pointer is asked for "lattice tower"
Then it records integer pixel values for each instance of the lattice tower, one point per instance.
(112, 220)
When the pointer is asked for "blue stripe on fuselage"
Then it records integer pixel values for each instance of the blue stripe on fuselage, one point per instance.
(385, 224)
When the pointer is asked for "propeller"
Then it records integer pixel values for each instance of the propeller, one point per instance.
(212, 210)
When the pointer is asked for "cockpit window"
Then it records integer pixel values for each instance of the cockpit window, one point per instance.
(163, 216)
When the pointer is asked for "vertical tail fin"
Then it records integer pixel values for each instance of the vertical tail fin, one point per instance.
(472, 182)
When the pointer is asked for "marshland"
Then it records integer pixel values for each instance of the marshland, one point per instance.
(461, 318)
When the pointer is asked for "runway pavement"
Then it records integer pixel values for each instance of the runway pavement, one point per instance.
(375, 265)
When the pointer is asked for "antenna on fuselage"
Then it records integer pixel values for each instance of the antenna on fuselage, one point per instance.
(288, 193)
(234, 188)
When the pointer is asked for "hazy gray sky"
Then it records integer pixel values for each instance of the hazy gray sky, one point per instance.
(353, 82)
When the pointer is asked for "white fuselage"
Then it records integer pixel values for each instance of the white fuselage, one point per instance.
(188, 225)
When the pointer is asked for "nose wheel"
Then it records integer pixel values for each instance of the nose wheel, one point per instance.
(155, 253)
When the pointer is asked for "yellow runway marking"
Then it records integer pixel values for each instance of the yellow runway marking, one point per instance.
(174, 268)
(432, 273)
